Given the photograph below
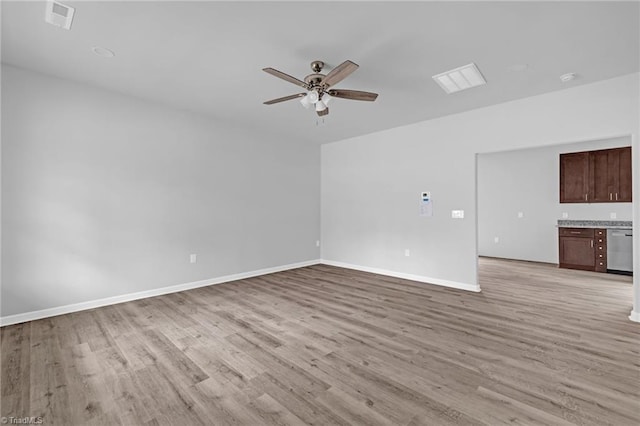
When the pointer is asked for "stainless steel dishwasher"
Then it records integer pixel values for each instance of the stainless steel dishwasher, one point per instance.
(620, 251)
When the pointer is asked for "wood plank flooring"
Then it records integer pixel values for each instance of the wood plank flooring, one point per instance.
(327, 346)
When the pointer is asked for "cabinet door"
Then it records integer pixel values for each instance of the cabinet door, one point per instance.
(574, 177)
(624, 189)
(613, 173)
(577, 253)
(600, 180)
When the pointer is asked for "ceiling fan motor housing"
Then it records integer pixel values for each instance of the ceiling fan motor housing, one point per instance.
(314, 79)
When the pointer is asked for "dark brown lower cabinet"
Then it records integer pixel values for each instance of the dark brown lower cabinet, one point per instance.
(583, 248)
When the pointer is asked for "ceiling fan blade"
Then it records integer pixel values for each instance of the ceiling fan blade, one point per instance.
(323, 112)
(355, 95)
(286, 77)
(284, 98)
(339, 73)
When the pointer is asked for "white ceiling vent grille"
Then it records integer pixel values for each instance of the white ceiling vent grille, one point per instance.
(59, 14)
(461, 78)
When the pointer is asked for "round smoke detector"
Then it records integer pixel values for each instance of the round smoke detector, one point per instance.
(567, 77)
(103, 51)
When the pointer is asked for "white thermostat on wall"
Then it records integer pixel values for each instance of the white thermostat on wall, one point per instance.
(426, 208)
(59, 15)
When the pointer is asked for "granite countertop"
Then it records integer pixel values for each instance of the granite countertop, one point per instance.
(607, 224)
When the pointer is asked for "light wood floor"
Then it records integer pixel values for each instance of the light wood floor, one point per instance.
(323, 345)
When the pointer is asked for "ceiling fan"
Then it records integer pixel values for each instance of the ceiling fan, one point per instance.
(318, 86)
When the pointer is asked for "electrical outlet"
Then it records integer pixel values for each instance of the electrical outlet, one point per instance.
(193, 258)
(457, 214)
(613, 215)
(565, 215)
(496, 240)
(520, 215)
(407, 252)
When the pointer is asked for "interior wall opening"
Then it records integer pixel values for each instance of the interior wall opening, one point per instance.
(520, 215)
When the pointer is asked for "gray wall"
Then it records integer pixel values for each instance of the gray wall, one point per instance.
(371, 184)
(105, 195)
(370, 202)
(527, 181)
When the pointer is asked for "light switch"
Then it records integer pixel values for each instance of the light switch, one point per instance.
(520, 215)
(457, 214)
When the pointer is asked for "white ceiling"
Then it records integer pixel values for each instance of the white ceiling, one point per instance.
(207, 56)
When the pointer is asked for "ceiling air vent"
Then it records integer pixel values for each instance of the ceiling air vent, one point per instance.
(460, 78)
(59, 15)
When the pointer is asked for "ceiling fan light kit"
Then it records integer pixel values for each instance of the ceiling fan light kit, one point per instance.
(318, 86)
(305, 101)
(320, 106)
(313, 96)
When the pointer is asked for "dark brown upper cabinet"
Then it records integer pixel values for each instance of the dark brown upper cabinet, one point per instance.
(624, 176)
(602, 176)
(574, 177)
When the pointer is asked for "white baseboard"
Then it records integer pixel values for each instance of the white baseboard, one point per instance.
(635, 316)
(419, 278)
(60, 310)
